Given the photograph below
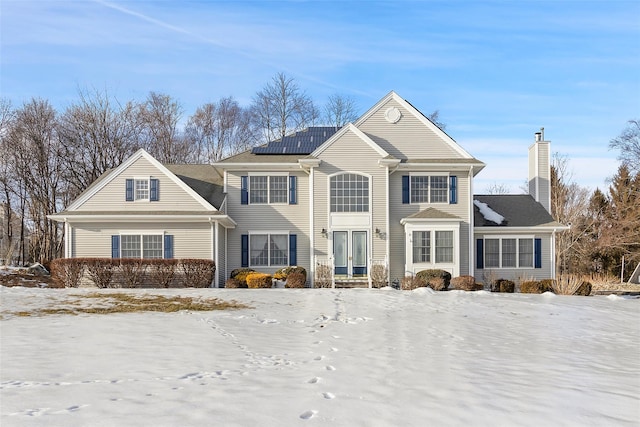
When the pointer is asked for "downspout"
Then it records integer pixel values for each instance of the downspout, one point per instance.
(471, 225)
(216, 275)
(312, 240)
(67, 246)
(553, 254)
(387, 234)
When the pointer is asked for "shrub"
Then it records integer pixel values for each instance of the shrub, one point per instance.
(532, 287)
(234, 284)
(503, 285)
(259, 281)
(101, 271)
(547, 285)
(438, 280)
(240, 274)
(284, 272)
(464, 283)
(162, 272)
(584, 289)
(296, 279)
(198, 273)
(379, 273)
(67, 272)
(323, 276)
(409, 283)
(132, 272)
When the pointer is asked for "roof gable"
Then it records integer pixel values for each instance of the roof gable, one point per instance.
(111, 175)
(353, 129)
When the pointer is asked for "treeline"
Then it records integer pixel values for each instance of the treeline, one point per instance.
(604, 225)
(48, 157)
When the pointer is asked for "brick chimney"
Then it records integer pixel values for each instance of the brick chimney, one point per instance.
(540, 170)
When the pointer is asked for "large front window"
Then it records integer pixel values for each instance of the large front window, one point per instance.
(429, 189)
(268, 250)
(441, 250)
(141, 246)
(349, 192)
(508, 252)
(265, 189)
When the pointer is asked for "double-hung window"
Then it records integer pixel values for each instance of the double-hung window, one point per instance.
(268, 189)
(268, 250)
(142, 189)
(508, 252)
(431, 245)
(147, 246)
(429, 188)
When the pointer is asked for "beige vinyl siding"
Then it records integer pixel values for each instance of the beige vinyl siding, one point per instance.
(351, 154)
(486, 275)
(400, 210)
(265, 217)
(190, 240)
(112, 197)
(409, 138)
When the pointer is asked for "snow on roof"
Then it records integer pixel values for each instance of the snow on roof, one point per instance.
(488, 213)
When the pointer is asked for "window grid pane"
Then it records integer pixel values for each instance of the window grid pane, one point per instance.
(508, 253)
(130, 246)
(259, 249)
(444, 246)
(438, 186)
(152, 246)
(142, 189)
(278, 189)
(349, 193)
(492, 253)
(525, 247)
(419, 189)
(421, 246)
(279, 251)
(258, 189)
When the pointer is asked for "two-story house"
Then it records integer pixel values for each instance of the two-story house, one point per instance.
(390, 189)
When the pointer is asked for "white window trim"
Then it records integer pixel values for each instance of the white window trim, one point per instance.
(500, 237)
(430, 174)
(140, 234)
(135, 188)
(268, 234)
(268, 175)
(369, 211)
(453, 267)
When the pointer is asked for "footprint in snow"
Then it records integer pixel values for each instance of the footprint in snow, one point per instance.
(330, 368)
(308, 414)
(314, 380)
(333, 349)
(328, 395)
(318, 358)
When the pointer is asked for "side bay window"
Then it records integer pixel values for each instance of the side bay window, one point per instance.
(429, 188)
(142, 189)
(429, 246)
(509, 252)
(268, 189)
(147, 246)
(268, 249)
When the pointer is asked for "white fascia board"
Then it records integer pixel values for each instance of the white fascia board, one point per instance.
(257, 166)
(388, 162)
(349, 127)
(224, 220)
(418, 115)
(407, 221)
(125, 165)
(512, 230)
(442, 166)
(311, 163)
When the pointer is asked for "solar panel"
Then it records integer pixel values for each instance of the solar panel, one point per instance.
(302, 142)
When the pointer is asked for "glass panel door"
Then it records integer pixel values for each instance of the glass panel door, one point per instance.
(359, 256)
(340, 252)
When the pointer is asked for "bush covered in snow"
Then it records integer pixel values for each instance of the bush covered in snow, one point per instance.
(259, 281)
(438, 280)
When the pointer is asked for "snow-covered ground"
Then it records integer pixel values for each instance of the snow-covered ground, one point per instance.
(328, 358)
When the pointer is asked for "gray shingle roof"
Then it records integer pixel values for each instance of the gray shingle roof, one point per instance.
(518, 210)
(205, 180)
(302, 142)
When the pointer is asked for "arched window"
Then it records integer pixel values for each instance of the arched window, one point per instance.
(349, 192)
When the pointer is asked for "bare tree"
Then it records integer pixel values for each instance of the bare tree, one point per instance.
(435, 118)
(97, 133)
(628, 142)
(219, 129)
(281, 107)
(159, 116)
(340, 110)
(498, 188)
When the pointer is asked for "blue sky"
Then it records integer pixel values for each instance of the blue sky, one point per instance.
(497, 71)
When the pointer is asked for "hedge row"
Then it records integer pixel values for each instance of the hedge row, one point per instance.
(133, 272)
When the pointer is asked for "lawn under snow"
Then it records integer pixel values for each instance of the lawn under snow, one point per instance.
(355, 357)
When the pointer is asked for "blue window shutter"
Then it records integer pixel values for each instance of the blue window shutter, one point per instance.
(129, 190)
(537, 253)
(405, 189)
(244, 190)
(244, 252)
(479, 254)
(293, 190)
(115, 246)
(168, 246)
(453, 189)
(293, 249)
(154, 186)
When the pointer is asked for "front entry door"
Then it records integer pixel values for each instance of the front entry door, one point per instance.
(350, 253)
